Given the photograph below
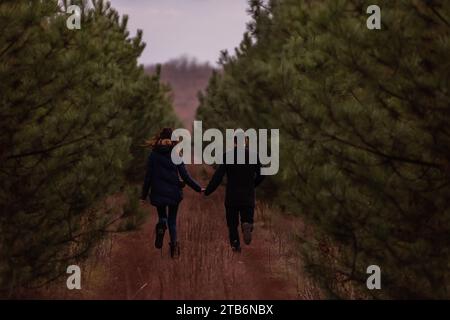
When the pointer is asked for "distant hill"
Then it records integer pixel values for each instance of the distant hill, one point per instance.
(186, 76)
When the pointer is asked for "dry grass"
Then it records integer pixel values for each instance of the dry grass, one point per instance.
(284, 254)
(127, 266)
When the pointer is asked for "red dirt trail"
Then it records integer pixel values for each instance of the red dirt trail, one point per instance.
(132, 268)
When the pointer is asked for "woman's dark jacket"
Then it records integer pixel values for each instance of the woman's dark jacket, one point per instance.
(163, 180)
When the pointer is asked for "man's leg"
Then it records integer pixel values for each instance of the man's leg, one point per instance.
(233, 223)
(247, 214)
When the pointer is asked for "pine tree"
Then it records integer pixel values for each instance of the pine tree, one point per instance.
(74, 105)
(363, 116)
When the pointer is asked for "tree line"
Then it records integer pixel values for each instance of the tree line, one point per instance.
(75, 107)
(364, 134)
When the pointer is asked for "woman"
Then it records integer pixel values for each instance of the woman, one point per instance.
(166, 188)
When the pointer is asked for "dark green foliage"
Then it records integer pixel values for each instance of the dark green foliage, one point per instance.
(133, 216)
(365, 137)
(74, 107)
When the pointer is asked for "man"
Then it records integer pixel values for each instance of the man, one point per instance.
(242, 180)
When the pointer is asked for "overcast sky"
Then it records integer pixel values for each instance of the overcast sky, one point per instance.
(198, 28)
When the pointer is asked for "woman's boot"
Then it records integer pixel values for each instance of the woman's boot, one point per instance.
(174, 250)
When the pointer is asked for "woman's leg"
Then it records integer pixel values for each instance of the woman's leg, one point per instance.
(172, 222)
(161, 226)
(162, 214)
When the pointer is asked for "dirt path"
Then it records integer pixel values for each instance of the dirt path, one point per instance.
(206, 269)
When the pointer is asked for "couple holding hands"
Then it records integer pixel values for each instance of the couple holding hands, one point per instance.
(162, 179)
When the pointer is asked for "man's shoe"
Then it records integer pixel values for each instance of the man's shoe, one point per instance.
(159, 231)
(247, 229)
(235, 246)
(174, 250)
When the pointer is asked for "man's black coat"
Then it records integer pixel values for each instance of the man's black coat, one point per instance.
(242, 180)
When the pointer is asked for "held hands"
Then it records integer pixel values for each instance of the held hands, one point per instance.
(202, 191)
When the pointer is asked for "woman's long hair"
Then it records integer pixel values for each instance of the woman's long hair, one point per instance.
(161, 138)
